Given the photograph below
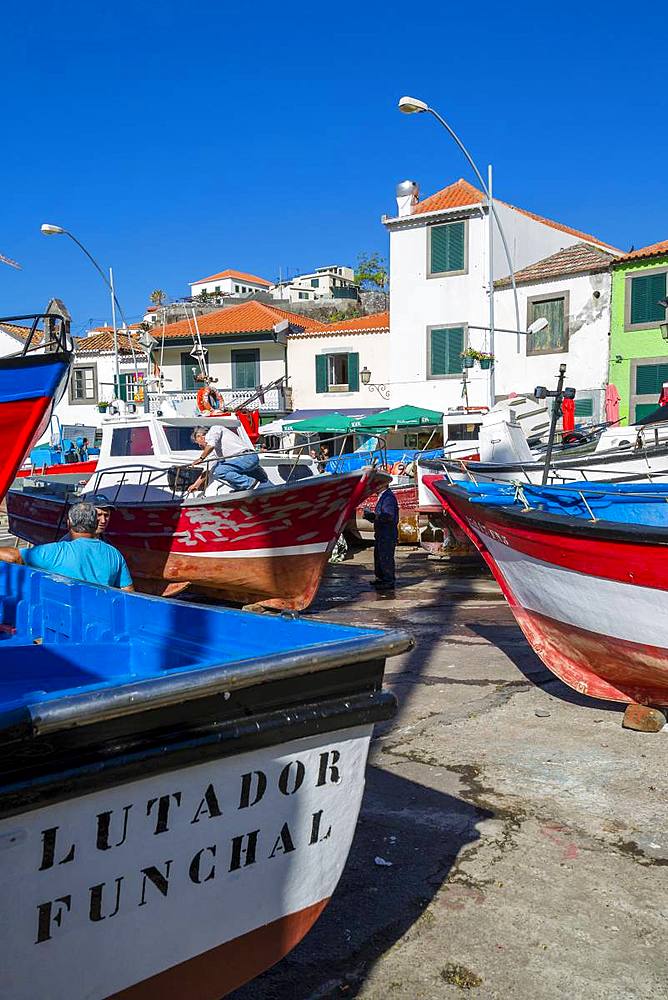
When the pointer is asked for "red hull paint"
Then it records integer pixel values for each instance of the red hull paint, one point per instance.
(22, 423)
(226, 968)
(269, 546)
(596, 665)
(599, 666)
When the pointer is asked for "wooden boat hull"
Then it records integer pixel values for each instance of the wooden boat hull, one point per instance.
(266, 547)
(29, 385)
(198, 879)
(591, 600)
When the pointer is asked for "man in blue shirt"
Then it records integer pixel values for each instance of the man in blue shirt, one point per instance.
(385, 520)
(82, 556)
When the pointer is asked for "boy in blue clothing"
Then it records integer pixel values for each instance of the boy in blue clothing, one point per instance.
(82, 556)
(385, 520)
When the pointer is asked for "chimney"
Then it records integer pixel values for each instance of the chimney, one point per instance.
(407, 197)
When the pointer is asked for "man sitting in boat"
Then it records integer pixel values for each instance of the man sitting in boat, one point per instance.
(237, 466)
(81, 556)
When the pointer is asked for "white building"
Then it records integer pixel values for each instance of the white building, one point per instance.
(334, 282)
(230, 283)
(325, 363)
(572, 290)
(439, 280)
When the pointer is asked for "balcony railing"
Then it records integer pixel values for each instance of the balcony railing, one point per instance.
(272, 401)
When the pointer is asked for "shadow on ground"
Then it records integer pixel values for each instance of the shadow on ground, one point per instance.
(420, 830)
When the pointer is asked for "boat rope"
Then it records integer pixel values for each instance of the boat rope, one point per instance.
(519, 495)
(591, 512)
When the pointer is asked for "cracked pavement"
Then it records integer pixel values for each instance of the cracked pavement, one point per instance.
(526, 831)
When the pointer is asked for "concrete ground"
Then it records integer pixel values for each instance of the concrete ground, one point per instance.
(525, 832)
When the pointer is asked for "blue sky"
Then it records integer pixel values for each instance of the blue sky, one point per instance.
(179, 139)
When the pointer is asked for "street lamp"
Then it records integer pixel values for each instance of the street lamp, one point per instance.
(378, 387)
(50, 230)
(412, 106)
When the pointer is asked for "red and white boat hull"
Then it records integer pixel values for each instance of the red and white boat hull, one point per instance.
(267, 546)
(184, 884)
(593, 605)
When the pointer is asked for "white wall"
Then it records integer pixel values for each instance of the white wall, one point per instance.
(227, 286)
(88, 413)
(419, 302)
(588, 344)
(528, 240)
(373, 350)
(9, 345)
(219, 357)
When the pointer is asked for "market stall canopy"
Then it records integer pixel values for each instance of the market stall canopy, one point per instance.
(399, 418)
(328, 423)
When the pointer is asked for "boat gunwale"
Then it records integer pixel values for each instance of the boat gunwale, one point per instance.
(102, 705)
(186, 503)
(560, 524)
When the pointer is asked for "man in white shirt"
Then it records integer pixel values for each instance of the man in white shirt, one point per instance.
(237, 465)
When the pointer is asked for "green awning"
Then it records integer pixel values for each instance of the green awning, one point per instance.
(328, 423)
(399, 418)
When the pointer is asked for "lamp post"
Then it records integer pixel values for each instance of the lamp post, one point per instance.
(50, 230)
(379, 387)
(412, 106)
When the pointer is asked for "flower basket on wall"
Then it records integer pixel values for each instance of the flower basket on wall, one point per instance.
(485, 363)
(469, 362)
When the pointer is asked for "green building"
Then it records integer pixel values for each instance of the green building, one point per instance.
(638, 351)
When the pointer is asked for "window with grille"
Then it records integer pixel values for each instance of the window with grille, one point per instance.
(445, 346)
(554, 338)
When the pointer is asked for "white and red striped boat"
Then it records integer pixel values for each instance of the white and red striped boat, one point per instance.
(585, 571)
(266, 546)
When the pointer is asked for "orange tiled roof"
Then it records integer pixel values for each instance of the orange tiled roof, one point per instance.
(103, 341)
(239, 275)
(581, 258)
(461, 194)
(21, 332)
(653, 250)
(248, 317)
(374, 323)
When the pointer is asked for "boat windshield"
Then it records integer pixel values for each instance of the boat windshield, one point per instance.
(180, 439)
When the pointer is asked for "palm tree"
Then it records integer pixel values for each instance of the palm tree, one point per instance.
(158, 297)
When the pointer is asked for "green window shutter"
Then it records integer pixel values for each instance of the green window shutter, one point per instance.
(650, 379)
(553, 338)
(188, 363)
(245, 369)
(446, 347)
(646, 290)
(448, 244)
(353, 372)
(643, 410)
(321, 373)
(584, 407)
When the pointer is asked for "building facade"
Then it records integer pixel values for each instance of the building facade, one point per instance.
(227, 283)
(334, 282)
(439, 280)
(638, 350)
(326, 364)
(572, 291)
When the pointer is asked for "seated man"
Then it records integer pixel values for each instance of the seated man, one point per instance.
(82, 556)
(237, 465)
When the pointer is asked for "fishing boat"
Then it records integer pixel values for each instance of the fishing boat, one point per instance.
(264, 546)
(584, 568)
(179, 786)
(31, 383)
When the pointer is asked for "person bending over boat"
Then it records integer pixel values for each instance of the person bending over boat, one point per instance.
(237, 466)
(81, 556)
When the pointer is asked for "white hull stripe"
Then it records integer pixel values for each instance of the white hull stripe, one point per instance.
(286, 550)
(605, 607)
